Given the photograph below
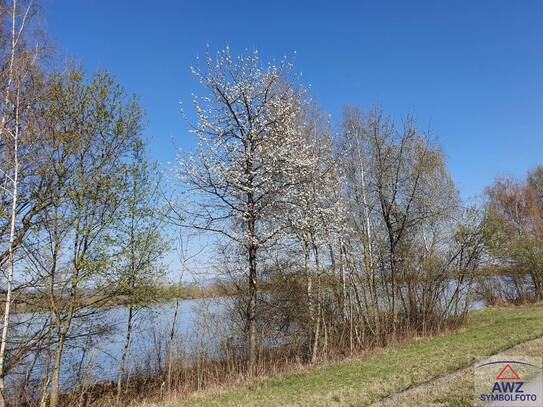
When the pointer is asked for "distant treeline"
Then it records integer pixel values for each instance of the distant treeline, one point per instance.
(27, 301)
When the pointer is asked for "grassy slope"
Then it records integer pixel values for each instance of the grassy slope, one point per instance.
(363, 381)
(456, 390)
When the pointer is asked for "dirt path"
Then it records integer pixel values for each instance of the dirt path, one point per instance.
(456, 387)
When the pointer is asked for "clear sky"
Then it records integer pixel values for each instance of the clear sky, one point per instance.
(471, 71)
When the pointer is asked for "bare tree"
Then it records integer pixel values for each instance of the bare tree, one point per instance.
(355, 151)
(406, 226)
(515, 211)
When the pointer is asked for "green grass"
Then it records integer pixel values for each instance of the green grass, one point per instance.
(457, 390)
(363, 381)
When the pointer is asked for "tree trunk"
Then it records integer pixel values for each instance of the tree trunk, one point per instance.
(170, 345)
(309, 293)
(316, 334)
(125, 352)
(350, 322)
(319, 309)
(251, 311)
(9, 282)
(13, 214)
(46, 377)
(55, 381)
(393, 288)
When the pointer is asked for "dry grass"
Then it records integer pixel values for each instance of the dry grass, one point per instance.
(366, 380)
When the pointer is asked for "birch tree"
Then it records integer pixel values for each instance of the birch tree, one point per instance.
(407, 224)
(21, 82)
(358, 202)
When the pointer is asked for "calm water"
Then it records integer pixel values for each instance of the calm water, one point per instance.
(199, 327)
(150, 335)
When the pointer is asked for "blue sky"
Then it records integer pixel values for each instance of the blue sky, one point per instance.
(470, 71)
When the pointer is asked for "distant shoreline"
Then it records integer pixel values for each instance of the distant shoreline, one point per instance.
(28, 302)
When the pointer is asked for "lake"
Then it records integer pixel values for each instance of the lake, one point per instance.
(96, 358)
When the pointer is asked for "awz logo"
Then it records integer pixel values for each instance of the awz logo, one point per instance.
(514, 387)
(507, 386)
